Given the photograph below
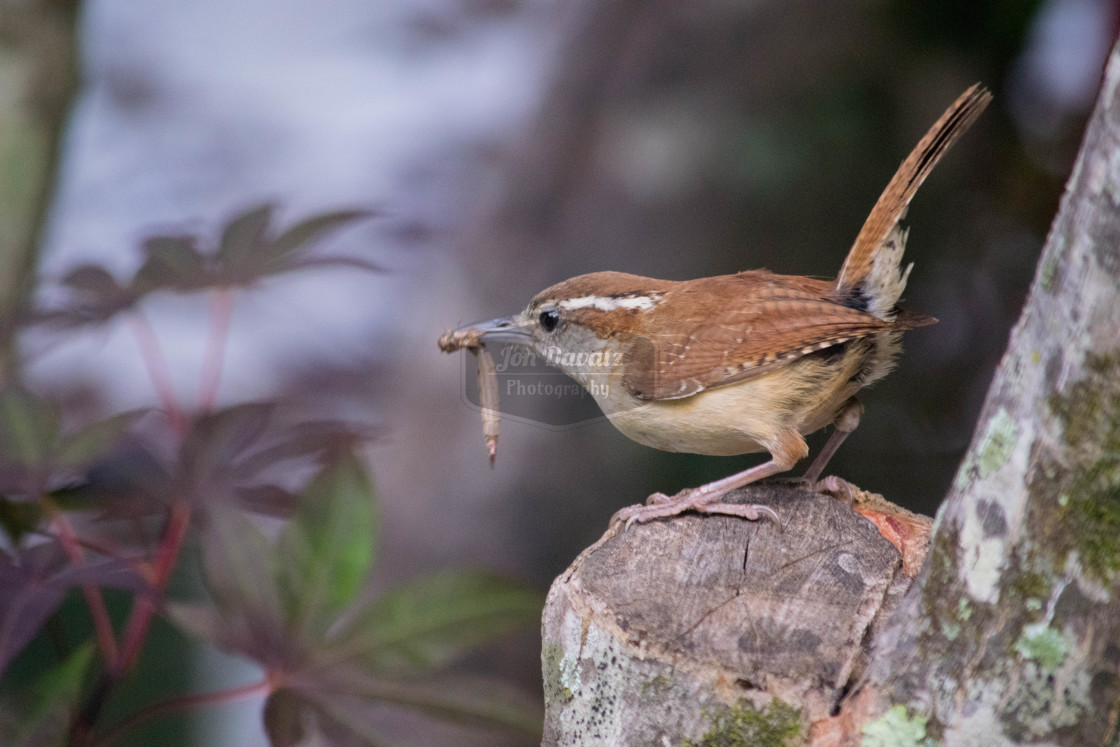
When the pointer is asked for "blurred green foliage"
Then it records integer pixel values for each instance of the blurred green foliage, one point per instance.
(114, 503)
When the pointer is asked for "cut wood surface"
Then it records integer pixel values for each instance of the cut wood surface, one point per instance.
(672, 630)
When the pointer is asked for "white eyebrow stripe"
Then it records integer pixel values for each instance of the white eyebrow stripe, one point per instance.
(606, 303)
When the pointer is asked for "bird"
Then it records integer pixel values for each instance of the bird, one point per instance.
(740, 363)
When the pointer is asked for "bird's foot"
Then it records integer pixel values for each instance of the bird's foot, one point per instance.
(658, 499)
(837, 487)
(660, 506)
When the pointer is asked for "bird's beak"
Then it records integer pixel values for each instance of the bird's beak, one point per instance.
(502, 330)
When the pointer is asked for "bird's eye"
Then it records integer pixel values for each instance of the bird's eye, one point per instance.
(549, 318)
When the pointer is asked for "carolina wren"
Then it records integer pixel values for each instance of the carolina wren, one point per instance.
(739, 363)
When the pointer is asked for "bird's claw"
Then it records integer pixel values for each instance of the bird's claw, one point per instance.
(660, 506)
(838, 487)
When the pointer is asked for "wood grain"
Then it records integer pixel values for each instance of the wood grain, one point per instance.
(654, 632)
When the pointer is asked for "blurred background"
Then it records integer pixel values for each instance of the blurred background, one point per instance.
(509, 144)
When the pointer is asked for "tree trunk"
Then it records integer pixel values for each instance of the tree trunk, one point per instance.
(711, 630)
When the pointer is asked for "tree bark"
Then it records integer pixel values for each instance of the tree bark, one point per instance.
(1012, 634)
(711, 630)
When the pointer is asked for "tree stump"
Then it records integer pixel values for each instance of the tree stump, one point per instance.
(712, 629)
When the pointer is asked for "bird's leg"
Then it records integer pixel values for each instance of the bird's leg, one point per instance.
(784, 453)
(846, 421)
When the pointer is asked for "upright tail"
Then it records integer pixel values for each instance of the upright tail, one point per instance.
(871, 276)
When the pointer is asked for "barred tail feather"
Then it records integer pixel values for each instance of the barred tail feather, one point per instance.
(871, 277)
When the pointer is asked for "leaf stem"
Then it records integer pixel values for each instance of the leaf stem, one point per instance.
(177, 704)
(158, 371)
(221, 315)
(145, 606)
(101, 548)
(102, 624)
